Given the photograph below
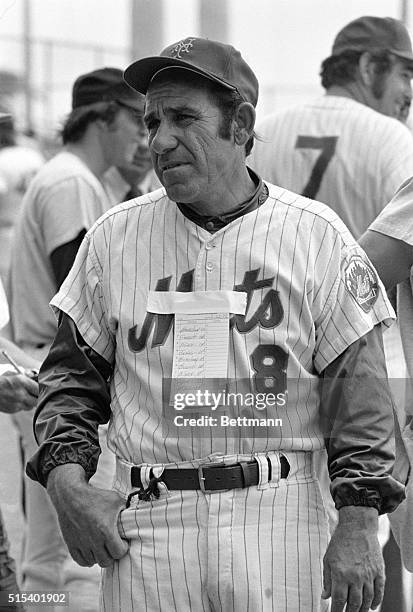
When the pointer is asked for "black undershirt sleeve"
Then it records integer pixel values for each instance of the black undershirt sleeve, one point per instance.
(74, 400)
(63, 256)
(358, 418)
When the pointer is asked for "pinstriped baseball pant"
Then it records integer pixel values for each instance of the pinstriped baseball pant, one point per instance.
(255, 549)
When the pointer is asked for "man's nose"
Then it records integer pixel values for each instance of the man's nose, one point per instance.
(164, 139)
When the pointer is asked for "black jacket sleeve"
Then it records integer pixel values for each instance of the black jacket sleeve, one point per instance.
(63, 257)
(358, 418)
(73, 401)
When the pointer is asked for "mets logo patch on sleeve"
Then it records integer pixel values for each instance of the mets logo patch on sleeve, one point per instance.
(361, 282)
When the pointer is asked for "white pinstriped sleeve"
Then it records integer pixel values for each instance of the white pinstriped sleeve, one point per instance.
(81, 298)
(356, 302)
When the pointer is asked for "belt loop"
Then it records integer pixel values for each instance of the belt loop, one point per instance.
(157, 472)
(148, 472)
(263, 471)
(274, 459)
(122, 480)
(146, 475)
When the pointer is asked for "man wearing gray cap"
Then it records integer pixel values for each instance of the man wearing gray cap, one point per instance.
(345, 148)
(63, 201)
(218, 288)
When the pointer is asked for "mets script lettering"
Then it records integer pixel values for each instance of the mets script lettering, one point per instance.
(269, 314)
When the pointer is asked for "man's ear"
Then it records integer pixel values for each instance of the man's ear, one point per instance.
(101, 125)
(367, 69)
(244, 121)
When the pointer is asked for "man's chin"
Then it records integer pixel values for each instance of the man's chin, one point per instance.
(177, 193)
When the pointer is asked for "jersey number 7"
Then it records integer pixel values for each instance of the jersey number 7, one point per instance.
(327, 145)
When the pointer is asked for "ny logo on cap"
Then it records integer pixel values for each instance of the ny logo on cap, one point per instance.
(183, 46)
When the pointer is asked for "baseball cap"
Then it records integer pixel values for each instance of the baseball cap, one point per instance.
(369, 33)
(104, 85)
(213, 60)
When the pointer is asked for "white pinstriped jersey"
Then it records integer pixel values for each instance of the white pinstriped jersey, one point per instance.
(294, 258)
(337, 151)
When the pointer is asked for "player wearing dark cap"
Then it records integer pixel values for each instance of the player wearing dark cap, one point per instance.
(343, 147)
(219, 275)
(62, 203)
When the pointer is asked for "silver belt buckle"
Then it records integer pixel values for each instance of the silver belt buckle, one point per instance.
(201, 477)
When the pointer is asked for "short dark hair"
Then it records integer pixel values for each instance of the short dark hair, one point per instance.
(227, 101)
(77, 122)
(341, 69)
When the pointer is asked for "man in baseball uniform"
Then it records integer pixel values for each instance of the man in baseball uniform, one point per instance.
(183, 299)
(348, 148)
(62, 203)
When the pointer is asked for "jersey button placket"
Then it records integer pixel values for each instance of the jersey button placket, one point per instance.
(200, 269)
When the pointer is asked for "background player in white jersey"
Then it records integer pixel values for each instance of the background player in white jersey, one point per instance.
(233, 519)
(389, 242)
(18, 391)
(346, 148)
(61, 204)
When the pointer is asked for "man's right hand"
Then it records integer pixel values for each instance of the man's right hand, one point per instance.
(17, 392)
(87, 516)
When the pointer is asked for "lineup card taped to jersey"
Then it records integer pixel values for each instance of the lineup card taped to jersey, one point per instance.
(201, 332)
(201, 345)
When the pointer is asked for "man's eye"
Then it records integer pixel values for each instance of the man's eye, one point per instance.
(183, 117)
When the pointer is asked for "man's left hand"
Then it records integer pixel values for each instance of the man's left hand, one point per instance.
(353, 563)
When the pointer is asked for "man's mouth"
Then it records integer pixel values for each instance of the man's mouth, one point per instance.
(171, 166)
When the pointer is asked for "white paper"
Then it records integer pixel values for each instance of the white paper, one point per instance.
(195, 302)
(201, 346)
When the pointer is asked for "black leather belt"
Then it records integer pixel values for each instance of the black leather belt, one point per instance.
(212, 477)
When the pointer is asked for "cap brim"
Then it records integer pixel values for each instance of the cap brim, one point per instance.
(405, 56)
(132, 103)
(139, 74)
